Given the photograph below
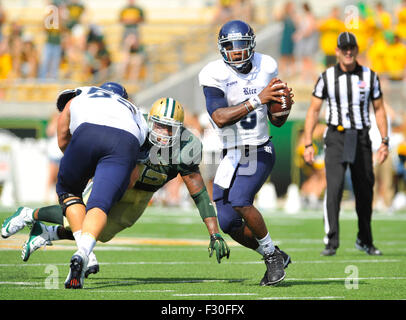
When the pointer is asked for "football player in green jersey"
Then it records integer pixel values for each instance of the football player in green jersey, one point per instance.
(171, 150)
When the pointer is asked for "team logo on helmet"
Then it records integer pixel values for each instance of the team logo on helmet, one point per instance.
(165, 120)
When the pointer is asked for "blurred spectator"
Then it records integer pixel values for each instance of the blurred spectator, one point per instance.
(29, 58)
(74, 47)
(6, 64)
(306, 39)
(400, 27)
(75, 10)
(52, 49)
(314, 175)
(376, 55)
(15, 44)
(133, 58)
(383, 18)
(363, 29)
(245, 11)
(225, 11)
(329, 29)
(131, 17)
(395, 59)
(54, 157)
(2, 20)
(97, 57)
(287, 58)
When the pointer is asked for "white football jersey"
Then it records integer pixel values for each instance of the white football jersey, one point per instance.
(98, 106)
(238, 87)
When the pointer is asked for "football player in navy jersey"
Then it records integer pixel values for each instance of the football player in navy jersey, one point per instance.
(237, 89)
(100, 133)
(154, 170)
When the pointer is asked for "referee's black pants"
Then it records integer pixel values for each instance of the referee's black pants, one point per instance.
(362, 177)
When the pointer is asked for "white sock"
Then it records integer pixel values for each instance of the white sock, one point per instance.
(266, 245)
(260, 250)
(77, 235)
(87, 243)
(52, 230)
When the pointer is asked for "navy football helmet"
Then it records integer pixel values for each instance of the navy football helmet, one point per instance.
(115, 88)
(236, 36)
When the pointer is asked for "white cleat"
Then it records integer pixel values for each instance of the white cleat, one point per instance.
(22, 217)
(92, 266)
(39, 237)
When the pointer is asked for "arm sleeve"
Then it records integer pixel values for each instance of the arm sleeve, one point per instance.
(214, 99)
(203, 204)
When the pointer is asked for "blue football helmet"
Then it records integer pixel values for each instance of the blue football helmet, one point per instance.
(236, 35)
(115, 88)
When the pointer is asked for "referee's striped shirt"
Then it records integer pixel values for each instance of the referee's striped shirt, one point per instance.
(348, 95)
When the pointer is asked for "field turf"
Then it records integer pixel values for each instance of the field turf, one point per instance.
(164, 257)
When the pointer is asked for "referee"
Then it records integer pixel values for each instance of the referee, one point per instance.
(348, 88)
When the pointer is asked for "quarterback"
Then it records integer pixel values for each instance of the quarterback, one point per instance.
(155, 168)
(237, 89)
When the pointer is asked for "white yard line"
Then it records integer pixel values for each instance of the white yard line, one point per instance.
(212, 294)
(13, 265)
(301, 298)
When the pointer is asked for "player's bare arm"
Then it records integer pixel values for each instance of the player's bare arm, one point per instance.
(63, 131)
(380, 115)
(312, 118)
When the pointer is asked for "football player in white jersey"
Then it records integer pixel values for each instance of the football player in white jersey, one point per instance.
(237, 88)
(100, 133)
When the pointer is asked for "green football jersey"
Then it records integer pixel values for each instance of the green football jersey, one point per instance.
(164, 164)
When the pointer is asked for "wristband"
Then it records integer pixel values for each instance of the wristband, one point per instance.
(247, 107)
(255, 101)
(308, 145)
(385, 141)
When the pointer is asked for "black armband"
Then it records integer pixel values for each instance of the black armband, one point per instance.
(203, 204)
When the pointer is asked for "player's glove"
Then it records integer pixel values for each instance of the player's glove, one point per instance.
(218, 244)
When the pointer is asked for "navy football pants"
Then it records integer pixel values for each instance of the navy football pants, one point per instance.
(251, 173)
(106, 154)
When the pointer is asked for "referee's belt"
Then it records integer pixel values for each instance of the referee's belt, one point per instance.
(340, 128)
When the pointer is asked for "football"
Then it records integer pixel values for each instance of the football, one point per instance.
(279, 112)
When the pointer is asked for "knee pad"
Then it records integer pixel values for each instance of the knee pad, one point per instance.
(65, 205)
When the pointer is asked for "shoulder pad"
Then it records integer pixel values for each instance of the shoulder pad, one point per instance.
(214, 74)
(267, 63)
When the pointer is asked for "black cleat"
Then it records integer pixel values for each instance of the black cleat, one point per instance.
(369, 249)
(286, 258)
(275, 272)
(328, 251)
(92, 270)
(78, 264)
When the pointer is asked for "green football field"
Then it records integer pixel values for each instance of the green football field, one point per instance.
(164, 257)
